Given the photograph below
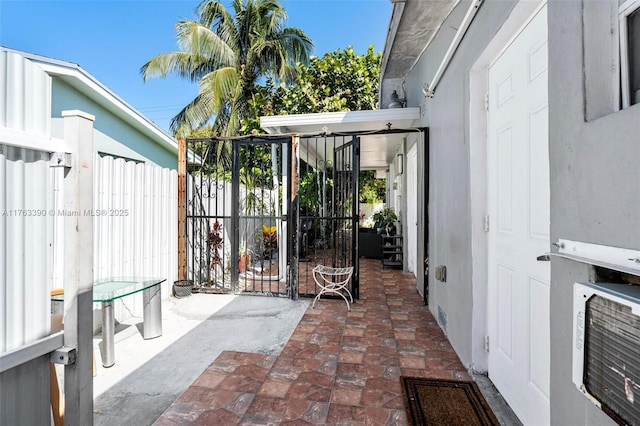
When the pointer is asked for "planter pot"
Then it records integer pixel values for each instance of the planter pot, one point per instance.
(182, 288)
(243, 262)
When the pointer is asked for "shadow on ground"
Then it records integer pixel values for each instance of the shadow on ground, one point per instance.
(150, 374)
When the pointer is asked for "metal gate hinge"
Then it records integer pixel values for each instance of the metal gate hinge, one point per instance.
(486, 343)
(64, 356)
(60, 159)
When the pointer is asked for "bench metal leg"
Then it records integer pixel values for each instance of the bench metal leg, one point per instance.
(152, 302)
(108, 326)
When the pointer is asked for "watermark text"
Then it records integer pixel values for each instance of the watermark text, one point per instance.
(64, 212)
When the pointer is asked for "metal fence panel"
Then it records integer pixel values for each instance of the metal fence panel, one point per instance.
(135, 207)
(25, 224)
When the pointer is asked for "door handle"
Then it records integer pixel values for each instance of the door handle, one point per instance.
(543, 258)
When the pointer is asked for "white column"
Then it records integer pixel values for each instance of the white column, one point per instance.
(78, 269)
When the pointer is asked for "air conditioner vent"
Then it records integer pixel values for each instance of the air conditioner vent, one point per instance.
(611, 358)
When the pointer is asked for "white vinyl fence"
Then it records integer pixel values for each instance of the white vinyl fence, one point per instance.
(136, 208)
(25, 265)
(135, 234)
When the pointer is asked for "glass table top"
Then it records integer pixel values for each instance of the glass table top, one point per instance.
(106, 290)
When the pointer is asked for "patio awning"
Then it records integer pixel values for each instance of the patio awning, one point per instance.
(377, 150)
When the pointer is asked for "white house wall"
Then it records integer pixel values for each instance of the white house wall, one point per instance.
(594, 159)
(111, 134)
(595, 172)
(450, 221)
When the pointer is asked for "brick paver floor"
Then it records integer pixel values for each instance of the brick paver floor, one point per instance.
(338, 367)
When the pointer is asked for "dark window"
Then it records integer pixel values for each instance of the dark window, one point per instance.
(633, 52)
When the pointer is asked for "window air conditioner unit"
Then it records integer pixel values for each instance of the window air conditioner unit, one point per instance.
(606, 348)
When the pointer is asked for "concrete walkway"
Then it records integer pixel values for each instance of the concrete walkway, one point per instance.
(338, 367)
(149, 375)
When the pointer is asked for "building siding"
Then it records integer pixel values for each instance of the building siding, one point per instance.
(112, 135)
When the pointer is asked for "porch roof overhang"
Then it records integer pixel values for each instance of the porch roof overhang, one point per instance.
(381, 132)
(412, 27)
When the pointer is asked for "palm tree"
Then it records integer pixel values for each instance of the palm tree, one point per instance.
(227, 54)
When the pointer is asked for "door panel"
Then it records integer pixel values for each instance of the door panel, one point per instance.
(519, 207)
(411, 227)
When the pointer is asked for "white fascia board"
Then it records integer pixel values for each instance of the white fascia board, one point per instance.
(340, 121)
(394, 23)
(93, 85)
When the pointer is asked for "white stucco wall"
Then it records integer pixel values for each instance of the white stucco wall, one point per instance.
(595, 174)
(460, 303)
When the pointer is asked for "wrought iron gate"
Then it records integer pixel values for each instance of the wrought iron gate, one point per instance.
(243, 235)
(329, 209)
(238, 194)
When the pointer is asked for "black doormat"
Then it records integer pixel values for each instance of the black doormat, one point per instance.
(445, 402)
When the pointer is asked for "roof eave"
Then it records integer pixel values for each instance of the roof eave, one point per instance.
(335, 122)
(90, 85)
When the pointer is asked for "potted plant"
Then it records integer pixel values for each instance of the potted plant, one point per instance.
(182, 288)
(385, 221)
(244, 258)
(269, 241)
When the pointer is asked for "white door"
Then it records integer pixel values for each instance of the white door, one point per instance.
(519, 223)
(412, 209)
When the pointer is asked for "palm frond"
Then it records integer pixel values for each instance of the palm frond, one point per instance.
(194, 115)
(179, 63)
(213, 13)
(204, 44)
(219, 86)
(297, 44)
(227, 50)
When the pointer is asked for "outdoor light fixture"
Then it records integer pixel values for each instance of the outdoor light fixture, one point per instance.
(426, 92)
(396, 101)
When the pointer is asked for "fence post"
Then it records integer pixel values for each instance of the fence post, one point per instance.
(182, 209)
(294, 216)
(78, 269)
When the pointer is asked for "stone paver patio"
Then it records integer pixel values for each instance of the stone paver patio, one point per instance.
(338, 367)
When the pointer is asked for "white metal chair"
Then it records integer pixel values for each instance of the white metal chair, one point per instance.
(333, 280)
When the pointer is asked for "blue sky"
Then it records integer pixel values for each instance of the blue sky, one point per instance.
(113, 39)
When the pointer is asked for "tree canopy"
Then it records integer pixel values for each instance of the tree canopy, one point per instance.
(339, 81)
(227, 54)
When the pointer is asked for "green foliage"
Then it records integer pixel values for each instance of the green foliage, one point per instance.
(339, 81)
(308, 193)
(214, 154)
(385, 216)
(372, 190)
(226, 54)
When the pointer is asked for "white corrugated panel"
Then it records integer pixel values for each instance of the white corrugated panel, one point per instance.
(25, 95)
(25, 236)
(135, 225)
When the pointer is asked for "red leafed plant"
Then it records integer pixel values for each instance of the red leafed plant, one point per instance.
(215, 242)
